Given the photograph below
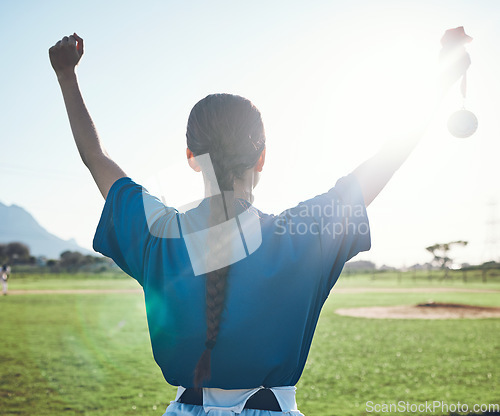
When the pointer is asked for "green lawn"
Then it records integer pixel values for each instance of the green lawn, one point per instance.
(355, 360)
(474, 280)
(116, 280)
(119, 280)
(78, 354)
(90, 354)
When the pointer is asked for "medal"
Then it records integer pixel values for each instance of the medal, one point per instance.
(462, 123)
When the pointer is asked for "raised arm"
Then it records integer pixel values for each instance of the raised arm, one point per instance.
(376, 172)
(64, 57)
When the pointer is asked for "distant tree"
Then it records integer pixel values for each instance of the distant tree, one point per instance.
(360, 266)
(386, 268)
(17, 252)
(89, 259)
(3, 253)
(489, 265)
(441, 254)
(71, 260)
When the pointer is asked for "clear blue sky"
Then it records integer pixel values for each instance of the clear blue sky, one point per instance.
(333, 79)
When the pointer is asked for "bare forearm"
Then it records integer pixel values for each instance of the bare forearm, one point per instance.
(375, 173)
(64, 57)
(103, 169)
(82, 126)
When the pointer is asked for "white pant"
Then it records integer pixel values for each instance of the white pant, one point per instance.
(219, 402)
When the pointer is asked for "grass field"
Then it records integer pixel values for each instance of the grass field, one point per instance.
(89, 354)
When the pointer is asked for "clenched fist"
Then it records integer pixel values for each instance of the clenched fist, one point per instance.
(453, 56)
(65, 54)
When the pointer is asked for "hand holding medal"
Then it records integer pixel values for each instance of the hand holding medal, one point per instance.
(456, 61)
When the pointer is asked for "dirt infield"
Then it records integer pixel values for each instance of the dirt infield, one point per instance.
(423, 311)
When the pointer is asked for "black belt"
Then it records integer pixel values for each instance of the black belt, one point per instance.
(264, 399)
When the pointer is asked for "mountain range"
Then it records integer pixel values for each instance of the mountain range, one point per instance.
(17, 224)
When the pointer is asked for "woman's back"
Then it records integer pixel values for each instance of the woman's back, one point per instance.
(274, 295)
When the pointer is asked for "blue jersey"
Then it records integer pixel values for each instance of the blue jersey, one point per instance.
(275, 290)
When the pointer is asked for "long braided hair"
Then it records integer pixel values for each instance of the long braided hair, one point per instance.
(229, 128)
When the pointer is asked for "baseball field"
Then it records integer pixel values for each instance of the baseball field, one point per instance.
(79, 345)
